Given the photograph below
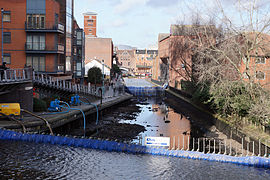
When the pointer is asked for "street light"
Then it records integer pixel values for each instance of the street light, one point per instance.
(2, 57)
(103, 88)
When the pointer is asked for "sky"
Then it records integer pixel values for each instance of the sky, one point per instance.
(138, 22)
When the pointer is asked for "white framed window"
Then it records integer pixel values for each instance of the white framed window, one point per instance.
(7, 58)
(6, 16)
(260, 60)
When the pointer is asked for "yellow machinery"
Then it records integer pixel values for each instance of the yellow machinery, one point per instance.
(10, 108)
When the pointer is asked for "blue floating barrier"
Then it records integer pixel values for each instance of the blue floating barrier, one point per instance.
(261, 162)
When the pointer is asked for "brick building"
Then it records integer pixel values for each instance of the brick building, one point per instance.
(176, 52)
(90, 24)
(99, 48)
(126, 59)
(255, 66)
(78, 52)
(38, 33)
(144, 61)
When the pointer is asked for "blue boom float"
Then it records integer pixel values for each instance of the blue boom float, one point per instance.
(261, 162)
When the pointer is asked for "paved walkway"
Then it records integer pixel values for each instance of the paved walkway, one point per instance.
(137, 82)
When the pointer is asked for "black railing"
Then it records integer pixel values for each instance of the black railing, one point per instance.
(42, 47)
(45, 26)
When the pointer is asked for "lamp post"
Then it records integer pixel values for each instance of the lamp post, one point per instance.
(2, 55)
(103, 88)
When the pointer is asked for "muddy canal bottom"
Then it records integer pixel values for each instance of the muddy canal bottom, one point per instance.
(141, 117)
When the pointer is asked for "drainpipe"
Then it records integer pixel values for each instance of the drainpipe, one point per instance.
(2, 57)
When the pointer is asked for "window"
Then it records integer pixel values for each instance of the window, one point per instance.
(7, 58)
(6, 16)
(90, 20)
(36, 21)
(7, 37)
(90, 30)
(260, 75)
(79, 38)
(37, 62)
(68, 63)
(35, 42)
(128, 63)
(260, 60)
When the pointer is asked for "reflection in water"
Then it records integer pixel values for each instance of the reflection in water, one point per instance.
(162, 121)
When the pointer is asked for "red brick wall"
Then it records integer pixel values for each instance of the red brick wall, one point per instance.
(16, 27)
(88, 27)
(18, 35)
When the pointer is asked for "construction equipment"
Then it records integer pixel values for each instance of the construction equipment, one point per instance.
(10, 109)
(55, 106)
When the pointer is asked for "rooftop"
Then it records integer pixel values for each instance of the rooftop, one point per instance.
(89, 13)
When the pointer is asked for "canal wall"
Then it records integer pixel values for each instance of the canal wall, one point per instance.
(252, 144)
(107, 145)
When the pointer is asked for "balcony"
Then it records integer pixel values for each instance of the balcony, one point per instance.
(45, 27)
(42, 48)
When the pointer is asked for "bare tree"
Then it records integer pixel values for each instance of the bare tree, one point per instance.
(224, 49)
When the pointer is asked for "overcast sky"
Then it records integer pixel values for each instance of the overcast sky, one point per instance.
(138, 22)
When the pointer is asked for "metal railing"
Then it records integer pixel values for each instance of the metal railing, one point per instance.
(15, 75)
(31, 46)
(44, 26)
(54, 82)
(217, 146)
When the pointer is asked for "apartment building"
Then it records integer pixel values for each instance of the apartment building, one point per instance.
(79, 53)
(144, 61)
(127, 60)
(176, 53)
(38, 33)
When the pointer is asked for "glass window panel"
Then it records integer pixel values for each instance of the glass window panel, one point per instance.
(7, 37)
(42, 22)
(29, 42)
(29, 21)
(42, 42)
(41, 63)
(68, 64)
(79, 35)
(35, 42)
(7, 58)
(35, 63)
(29, 60)
(6, 17)
(79, 66)
(79, 73)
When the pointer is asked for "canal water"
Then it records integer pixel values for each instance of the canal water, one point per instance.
(20, 160)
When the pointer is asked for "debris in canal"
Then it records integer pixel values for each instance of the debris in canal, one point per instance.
(119, 131)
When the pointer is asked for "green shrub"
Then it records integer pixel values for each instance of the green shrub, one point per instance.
(39, 105)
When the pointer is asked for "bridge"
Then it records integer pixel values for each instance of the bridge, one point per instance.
(16, 86)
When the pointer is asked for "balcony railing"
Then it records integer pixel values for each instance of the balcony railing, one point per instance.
(43, 48)
(15, 75)
(44, 27)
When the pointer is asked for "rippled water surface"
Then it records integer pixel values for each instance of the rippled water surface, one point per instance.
(42, 161)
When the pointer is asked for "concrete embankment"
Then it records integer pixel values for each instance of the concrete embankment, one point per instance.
(55, 120)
